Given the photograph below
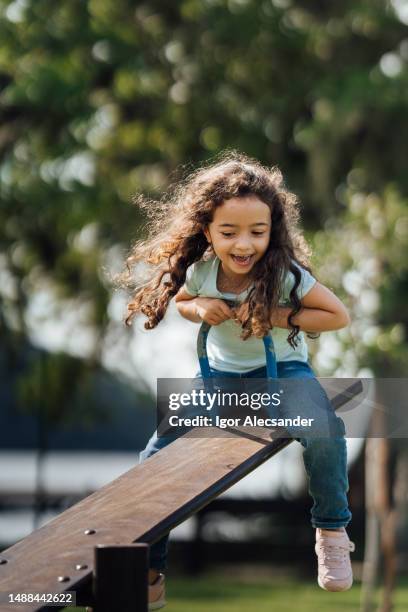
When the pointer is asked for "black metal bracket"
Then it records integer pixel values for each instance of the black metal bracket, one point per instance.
(120, 578)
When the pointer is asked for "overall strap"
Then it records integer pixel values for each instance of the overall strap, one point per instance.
(271, 367)
(202, 350)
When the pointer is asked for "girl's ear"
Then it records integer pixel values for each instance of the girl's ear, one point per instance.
(207, 235)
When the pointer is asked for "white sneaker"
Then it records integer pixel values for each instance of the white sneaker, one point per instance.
(333, 552)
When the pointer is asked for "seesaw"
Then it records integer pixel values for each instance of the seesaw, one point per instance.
(99, 547)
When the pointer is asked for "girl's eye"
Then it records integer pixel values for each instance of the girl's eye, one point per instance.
(229, 234)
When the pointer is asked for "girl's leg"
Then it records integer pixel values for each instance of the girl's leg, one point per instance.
(325, 458)
(327, 487)
(158, 550)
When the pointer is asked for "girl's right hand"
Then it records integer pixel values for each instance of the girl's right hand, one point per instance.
(213, 310)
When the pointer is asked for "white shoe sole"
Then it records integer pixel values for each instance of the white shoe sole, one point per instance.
(334, 588)
(156, 605)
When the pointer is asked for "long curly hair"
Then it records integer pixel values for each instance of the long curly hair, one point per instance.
(156, 267)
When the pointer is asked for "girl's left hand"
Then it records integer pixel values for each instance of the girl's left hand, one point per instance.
(279, 317)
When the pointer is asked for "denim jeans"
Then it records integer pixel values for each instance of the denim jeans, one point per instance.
(325, 461)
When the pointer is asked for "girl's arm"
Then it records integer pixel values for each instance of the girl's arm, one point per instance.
(186, 305)
(198, 309)
(321, 311)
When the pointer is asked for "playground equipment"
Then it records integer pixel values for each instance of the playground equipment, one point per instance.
(99, 547)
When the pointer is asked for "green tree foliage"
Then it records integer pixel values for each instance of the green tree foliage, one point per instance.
(103, 98)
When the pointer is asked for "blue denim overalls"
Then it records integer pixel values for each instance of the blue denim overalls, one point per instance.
(325, 458)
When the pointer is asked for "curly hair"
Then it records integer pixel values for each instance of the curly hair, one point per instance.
(157, 266)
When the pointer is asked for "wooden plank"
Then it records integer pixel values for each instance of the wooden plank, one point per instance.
(134, 507)
(141, 505)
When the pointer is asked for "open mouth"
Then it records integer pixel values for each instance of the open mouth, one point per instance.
(241, 260)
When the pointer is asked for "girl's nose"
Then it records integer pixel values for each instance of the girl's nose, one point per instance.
(244, 243)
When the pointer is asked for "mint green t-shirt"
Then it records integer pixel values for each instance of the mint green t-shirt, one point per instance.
(226, 351)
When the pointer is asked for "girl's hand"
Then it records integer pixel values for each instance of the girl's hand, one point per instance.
(240, 313)
(213, 310)
(279, 317)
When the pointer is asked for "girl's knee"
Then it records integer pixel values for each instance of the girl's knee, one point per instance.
(154, 445)
(324, 446)
(143, 455)
(337, 428)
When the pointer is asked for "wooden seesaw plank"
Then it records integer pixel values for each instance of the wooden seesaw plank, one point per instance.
(140, 506)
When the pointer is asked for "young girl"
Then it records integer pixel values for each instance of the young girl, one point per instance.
(230, 230)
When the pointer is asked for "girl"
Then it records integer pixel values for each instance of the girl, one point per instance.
(230, 230)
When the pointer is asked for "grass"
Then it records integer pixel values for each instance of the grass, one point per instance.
(216, 593)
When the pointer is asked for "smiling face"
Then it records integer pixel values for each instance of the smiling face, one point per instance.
(239, 233)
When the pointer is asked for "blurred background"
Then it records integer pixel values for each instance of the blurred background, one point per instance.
(103, 99)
